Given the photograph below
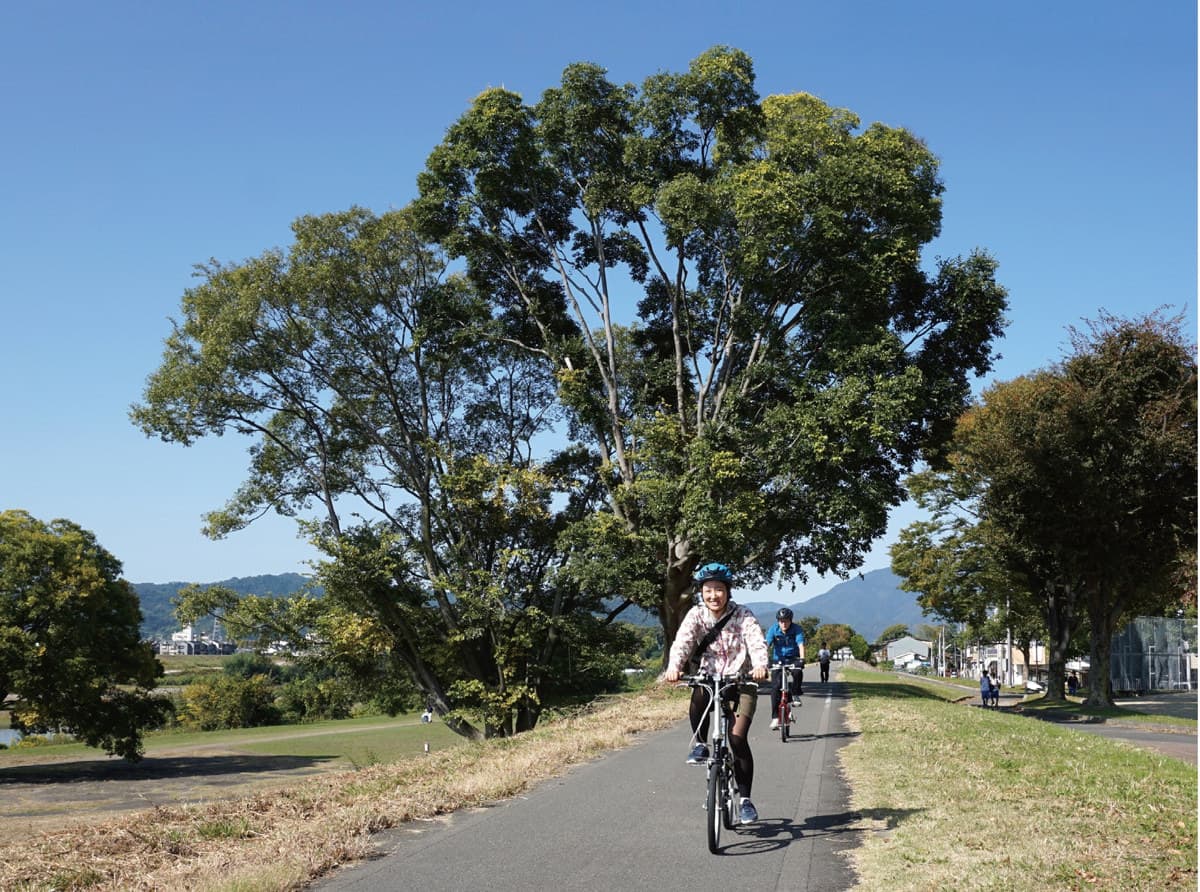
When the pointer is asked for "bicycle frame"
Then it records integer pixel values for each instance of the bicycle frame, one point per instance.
(722, 796)
(785, 697)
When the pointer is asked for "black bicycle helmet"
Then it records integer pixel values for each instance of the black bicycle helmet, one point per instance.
(784, 613)
(718, 572)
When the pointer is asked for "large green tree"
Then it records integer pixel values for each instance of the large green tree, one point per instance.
(970, 571)
(70, 650)
(731, 296)
(1083, 479)
(362, 370)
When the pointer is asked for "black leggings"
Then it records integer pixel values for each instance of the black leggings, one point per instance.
(699, 713)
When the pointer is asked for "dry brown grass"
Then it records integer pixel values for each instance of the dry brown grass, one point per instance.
(281, 840)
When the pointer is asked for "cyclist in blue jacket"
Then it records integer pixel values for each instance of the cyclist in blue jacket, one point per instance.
(785, 642)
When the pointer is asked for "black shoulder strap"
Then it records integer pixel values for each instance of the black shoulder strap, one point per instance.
(711, 635)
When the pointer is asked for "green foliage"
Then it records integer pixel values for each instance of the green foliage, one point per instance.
(247, 665)
(860, 648)
(1069, 493)
(789, 360)
(891, 633)
(790, 357)
(69, 645)
(229, 701)
(158, 611)
(308, 698)
(832, 635)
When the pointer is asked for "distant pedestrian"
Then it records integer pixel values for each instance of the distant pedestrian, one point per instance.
(985, 690)
(1072, 684)
(995, 691)
(427, 717)
(823, 657)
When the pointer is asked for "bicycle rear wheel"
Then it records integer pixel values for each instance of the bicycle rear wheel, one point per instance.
(784, 728)
(712, 817)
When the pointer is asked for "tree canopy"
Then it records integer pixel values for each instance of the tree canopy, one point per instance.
(1082, 483)
(69, 644)
(691, 324)
(730, 295)
(361, 367)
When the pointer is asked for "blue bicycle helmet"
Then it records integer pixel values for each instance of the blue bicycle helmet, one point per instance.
(718, 572)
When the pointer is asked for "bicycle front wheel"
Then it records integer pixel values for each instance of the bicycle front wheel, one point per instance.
(714, 809)
(729, 797)
(784, 728)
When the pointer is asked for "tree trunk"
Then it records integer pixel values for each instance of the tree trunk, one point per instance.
(1100, 673)
(677, 592)
(1060, 623)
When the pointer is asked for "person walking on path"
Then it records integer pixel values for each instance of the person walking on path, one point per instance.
(985, 689)
(995, 691)
(823, 657)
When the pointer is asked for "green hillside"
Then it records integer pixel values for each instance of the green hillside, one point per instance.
(158, 618)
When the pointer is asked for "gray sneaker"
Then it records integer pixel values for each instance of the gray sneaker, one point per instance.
(749, 814)
(698, 755)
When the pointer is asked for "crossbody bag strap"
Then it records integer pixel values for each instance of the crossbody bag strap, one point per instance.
(711, 635)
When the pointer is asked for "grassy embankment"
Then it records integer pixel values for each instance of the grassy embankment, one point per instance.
(953, 797)
(965, 798)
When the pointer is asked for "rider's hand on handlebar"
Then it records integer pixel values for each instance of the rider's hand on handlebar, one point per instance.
(671, 676)
(759, 673)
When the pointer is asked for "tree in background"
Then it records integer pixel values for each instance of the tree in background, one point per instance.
(365, 373)
(69, 644)
(730, 297)
(832, 635)
(892, 633)
(808, 627)
(1083, 482)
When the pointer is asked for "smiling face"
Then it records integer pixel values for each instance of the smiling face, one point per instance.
(715, 595)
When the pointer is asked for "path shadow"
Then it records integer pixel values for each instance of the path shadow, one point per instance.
(212, 768)
(772, 834)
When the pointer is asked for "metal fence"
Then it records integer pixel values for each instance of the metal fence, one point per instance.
(1152, 654)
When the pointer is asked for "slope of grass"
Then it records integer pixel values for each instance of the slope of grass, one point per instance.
(984, 799)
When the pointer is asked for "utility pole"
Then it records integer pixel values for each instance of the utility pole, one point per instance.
(1008, 642)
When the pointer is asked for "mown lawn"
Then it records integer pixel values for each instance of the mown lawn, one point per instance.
(965, 798)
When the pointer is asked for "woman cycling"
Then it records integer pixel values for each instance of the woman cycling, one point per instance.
(738, 646)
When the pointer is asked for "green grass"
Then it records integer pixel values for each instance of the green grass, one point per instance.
(954, 797)
(358, 741)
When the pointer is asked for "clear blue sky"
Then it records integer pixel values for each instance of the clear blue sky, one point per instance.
(142, 138)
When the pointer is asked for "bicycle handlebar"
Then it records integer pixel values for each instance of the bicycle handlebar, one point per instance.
(799, 664)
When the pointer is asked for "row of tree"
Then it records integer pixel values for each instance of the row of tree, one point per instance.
(622, 330)
(1065, 502)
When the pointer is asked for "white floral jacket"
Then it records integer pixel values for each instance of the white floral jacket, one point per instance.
(738, 647)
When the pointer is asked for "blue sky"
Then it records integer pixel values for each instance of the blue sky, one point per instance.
(142, 138)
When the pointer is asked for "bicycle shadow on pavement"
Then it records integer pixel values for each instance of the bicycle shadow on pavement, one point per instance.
(772, 834)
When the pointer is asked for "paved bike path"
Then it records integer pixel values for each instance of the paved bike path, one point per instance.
(634, 819)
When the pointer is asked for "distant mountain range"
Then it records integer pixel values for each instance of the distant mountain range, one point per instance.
(868, 603)
(158, 615)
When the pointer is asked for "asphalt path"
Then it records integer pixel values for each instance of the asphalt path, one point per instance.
(634, 819)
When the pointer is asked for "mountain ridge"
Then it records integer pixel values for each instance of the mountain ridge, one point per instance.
(868, 603)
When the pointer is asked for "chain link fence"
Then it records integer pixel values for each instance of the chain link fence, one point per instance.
(1153, 653)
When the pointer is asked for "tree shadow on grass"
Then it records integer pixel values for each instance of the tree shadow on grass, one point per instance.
(845, 828)
(210, 768)
(894, 690)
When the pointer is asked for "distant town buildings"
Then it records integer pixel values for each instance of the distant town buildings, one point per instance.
(188, 643)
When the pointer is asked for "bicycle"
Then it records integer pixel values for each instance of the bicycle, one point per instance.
(722, 793)
(784, 715)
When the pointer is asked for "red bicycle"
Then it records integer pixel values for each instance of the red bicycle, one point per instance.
(784, 715)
